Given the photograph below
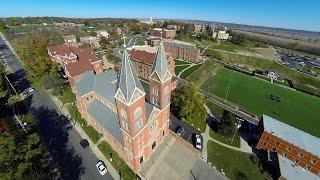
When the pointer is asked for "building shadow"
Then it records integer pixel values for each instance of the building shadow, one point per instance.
(54, 135)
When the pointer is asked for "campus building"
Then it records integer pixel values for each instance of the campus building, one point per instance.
(70, 40)
(298, 152)
(115, 105)
(91, 41)
(182, 50)
(75, 61)
(165, 33)
(143, 57)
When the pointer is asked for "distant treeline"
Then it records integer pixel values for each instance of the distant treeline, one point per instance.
(279, 42)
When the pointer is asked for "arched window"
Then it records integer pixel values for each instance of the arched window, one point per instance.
(166, 90)
(138, 124)
(137, 112)
(123, 113)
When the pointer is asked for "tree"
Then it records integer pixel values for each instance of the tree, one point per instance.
(3, 83)
(240, 39)
(22, 155)
(187, 103)
(227, 126)
(103, 41)
(3, 27)
(54, 83)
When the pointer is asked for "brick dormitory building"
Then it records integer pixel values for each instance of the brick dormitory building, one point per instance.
(116, 106)
(177, 49)
(297, 152)
(75, 60)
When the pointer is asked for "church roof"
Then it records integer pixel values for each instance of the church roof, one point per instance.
(160, 66)
(128, 79)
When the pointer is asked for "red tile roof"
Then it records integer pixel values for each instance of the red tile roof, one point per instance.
(142, 56)
(85, 57)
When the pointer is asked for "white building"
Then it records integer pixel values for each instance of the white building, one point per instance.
(103, 33)
(90, 40)
(273, 75)
(222, 35)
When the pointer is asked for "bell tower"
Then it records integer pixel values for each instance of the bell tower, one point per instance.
(160, 80)
(131, 109)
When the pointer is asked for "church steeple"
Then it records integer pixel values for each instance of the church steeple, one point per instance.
(129, 85)
(160, 70)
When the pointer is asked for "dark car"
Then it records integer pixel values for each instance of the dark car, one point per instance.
(84, 143)
(180, 131)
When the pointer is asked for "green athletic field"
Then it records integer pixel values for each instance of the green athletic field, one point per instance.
(253, 94)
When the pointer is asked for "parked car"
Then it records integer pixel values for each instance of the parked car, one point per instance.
(180, 130)
(102, 168)
(84, 143)
(30, 89)
(198, 142)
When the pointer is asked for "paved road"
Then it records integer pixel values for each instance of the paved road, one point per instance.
(57, 133)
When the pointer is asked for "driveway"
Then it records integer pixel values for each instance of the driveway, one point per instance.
(56, 132)
(189, 130)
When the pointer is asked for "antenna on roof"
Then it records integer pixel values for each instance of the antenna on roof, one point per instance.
(124, 40)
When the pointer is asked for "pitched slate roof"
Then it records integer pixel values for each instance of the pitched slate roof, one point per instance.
(160, 66)
(292, 135)
(100, 83)
(106, 118)
(128, 79)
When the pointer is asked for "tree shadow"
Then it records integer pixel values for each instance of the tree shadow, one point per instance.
(54, 134)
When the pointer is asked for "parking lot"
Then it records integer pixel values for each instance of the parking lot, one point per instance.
(189, 131)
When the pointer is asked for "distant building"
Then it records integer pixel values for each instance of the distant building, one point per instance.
(148, 21)
(182, 50)
(198, 28)
(143, 58)
(174, 27)
(222, 35)
(153, 41)
(75, 61)
(90, 40)
(70, 40)
(119, 31)
(298, 147)
(103, 34)
(165, 33)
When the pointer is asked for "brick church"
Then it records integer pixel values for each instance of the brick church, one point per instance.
(116, 106)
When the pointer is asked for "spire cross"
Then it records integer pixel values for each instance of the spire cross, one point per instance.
(124, 40)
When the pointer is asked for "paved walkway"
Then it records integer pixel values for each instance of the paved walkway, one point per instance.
(93, 147)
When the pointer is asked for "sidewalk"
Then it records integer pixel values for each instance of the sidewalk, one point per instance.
(113, 172)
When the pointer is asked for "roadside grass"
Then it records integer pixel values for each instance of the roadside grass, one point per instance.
(253, 94)
(235, 164)
(300, 80)
(188, 71)
(203, 73)
(89, 130)
(67, 95)
(180, 62)
(178, 69)
(117, 162)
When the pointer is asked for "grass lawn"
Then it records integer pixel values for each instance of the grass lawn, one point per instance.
(179, 62)
(190, 70)
(203, 73)
(117, 162)
(250, 93)
(67, 95)
(217, 111)
(227, 46)
(218, 137)
(236, 165)
(178, 69)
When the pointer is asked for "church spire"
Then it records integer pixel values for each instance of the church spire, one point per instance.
(160, 66)
(128, 79)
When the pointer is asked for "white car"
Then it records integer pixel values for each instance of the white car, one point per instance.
(198, 142)
(30, 89)
(101, 167)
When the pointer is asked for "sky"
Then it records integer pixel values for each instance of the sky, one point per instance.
(293, 14)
